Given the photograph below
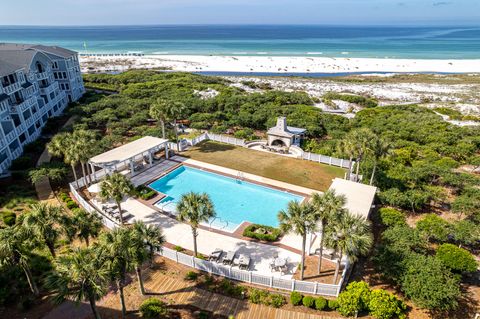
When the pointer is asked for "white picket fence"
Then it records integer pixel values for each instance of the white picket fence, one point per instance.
(308, 287)
(333, 161)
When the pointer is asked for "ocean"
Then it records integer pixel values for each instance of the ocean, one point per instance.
(323, 41)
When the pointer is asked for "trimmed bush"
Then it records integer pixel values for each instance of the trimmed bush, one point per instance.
(320, 303)
(178, 248)
(434, 227)
(384, 305)
(308, 301)
(153, 308)
(354, 299)
(333, 304)
(276, 300)
(455, 258)
(191, 275)
(257, 296)
(261, 232)
(295, 298)
(9, 218)
(71, 204)
(231, 289)
(145, 192)
(392, 217)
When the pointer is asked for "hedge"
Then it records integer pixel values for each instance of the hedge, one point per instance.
(145, 192)
(256, 231)
(296, 298)
(153, 308)
(392, 217)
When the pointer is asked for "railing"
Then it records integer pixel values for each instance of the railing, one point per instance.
(308, 287)
(326, 159)
(226, 139)
(12, 88)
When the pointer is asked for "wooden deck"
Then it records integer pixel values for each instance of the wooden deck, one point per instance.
(180, 292)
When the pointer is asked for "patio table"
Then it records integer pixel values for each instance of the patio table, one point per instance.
(280, 262)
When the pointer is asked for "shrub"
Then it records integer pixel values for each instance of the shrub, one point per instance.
(191, 275)
(231, 289)
(308, 301)
(63, 197)
(391, 217)
(257, 296)
(261, 232)
(71, 204)
(434, 227)
(295, 298)
(455, 258)
(178, 248)
(354, 299)
(276, 300)
(144, 192)
(153, 308)
(9, 218)
(333, 304)
(384, 305)
(320, 303)
(21, 163)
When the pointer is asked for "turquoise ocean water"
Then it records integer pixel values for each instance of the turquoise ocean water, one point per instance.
(328, 41)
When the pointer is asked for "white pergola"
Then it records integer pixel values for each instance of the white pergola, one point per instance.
(127, 155)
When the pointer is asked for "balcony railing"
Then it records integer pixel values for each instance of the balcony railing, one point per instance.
(49, 89)
(12, 88)
(42, 75)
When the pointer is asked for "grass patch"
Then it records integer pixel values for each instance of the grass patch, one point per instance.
(289, 170)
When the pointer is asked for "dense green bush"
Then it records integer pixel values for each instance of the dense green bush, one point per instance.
(320, 303)
(246, 134)
(391, 217)
(191, 275)
(457, 259)
(153, 308)
(276, 300)
(333, 304)
(257, 296)
(71, 204)
(384, 305)
(21, 163)
(261, 232)
(145, 192)
(308, 301)
(350, 98)
(354, 299)
(295, 298)
(229, 288)
(9, 218)
(434, 227)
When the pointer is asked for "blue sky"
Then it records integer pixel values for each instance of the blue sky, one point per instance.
(340, 12)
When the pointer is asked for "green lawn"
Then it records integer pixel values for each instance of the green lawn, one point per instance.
(294, 171)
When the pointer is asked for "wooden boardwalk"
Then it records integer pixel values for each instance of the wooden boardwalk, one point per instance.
(182, 292)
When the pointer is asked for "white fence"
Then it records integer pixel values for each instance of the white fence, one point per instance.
(326, 159)
(308, 287)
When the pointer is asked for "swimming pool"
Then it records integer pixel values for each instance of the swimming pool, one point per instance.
(234, 201)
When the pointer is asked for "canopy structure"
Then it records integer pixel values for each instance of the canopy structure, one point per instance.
(359, 196)
(130, 153)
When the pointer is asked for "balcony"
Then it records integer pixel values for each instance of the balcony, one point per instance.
(12, 88)
(17, 152)
(4, 166)
(49, 89)
(28, 103)
(10, 137)
(42, 76)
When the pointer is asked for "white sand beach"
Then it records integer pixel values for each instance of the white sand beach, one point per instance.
(192, 63)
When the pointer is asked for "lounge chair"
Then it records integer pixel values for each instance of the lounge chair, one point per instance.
(215, 255)
(243, 262)
(228, 259)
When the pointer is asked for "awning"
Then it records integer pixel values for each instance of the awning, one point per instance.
(359, 196)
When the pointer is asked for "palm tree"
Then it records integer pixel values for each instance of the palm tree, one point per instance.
(42, 222)
(195, 208)
(140, 234)
(115, 187)
(81, 275)
(357, 144)
(379, 148)
(120, 255)
(85, 144)
(349, 235)
(151, 235)
(61, 146)
(158, 111)
(174, 111)
(328, 207)
(299, 218)
(15, 248)
(85, 225)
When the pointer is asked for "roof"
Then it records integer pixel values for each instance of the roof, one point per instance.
(279, 132)
(14, 60)
(359, 196)
(7, 68)
(55, 50)
(296, 130)
(281, 129)
(129, 150)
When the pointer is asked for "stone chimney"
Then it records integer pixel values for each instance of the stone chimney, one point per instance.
(282, 123)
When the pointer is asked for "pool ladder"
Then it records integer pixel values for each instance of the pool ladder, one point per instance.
(221, 220)
(240, 176)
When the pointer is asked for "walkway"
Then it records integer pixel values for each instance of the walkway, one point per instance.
(181, 292)
(43, 187)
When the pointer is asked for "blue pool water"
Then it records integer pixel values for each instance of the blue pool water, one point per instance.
(234, 201)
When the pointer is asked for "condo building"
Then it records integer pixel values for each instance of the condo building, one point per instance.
(36, 83)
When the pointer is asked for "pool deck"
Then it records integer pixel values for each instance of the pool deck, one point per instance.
(179, 234)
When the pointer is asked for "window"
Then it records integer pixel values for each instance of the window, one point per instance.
(67, 86)
(55, 74)
(64, 75)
